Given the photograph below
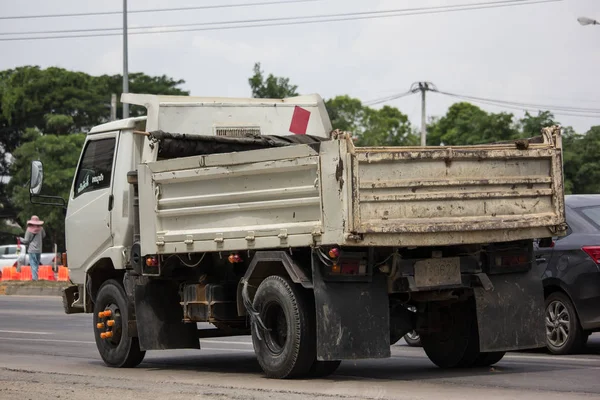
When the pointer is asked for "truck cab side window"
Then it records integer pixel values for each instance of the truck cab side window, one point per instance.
(95, 168)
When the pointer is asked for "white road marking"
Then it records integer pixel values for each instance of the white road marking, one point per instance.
(27, 332)
(553, 358)
(46, 340)
(232, 350)
(224, 342)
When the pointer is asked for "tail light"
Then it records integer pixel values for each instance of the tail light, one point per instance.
(593, 251)
(152, 261)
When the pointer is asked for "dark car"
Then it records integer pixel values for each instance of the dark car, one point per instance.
(571, 276)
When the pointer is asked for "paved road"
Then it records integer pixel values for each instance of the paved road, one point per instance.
(45, 354)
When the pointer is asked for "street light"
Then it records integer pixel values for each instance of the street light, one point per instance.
(587, 21)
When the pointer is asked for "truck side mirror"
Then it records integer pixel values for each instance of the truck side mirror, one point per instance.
(37, 177)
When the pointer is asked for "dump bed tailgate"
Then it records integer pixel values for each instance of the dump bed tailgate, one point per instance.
(472, 193)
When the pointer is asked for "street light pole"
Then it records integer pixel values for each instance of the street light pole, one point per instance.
(587, 21)
(125, 66)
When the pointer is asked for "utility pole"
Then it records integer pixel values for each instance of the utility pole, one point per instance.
(125, 66)
(423, 87)
(113, 107)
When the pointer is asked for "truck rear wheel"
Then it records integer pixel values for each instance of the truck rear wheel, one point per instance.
(487, 359)
(321, 369)
(287, 348)
(454, 343)
(111, 316)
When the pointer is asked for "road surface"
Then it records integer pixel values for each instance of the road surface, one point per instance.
(45, 354)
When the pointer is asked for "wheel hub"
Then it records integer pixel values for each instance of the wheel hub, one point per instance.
(557, 323)
(109, 324)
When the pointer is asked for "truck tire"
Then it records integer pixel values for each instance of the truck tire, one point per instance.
(487, 359)
(564, 334)
(321, 369)
(455, 343)
(287, 348)
(119, 350)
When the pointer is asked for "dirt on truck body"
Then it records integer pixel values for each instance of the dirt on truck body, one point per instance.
(256, 216)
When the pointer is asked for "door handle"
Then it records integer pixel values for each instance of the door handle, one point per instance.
(111, 200)
(540, 259)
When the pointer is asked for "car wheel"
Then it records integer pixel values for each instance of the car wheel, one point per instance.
(412, 339)
(564, 334)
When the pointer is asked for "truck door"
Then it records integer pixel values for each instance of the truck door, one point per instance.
(88, 230)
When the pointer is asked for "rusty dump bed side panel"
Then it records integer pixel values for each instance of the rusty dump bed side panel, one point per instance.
(474, 194)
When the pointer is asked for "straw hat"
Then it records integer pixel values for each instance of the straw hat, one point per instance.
(35, 220)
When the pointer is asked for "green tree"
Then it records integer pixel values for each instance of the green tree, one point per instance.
(345, 113)
(272, 87)
(531, 125)
(387, 126)
(467, 124)
(572, 161)
(59, 154)
(582, 163)
(59, 101)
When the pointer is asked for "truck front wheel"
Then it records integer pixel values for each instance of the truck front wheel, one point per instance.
(287, 347)
(111, 316)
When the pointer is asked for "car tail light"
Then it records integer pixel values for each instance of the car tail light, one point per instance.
(593, 251)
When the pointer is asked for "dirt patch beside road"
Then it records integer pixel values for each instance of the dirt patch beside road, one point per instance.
(32, 288)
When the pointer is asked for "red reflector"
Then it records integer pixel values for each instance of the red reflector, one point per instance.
(514, 260)
(350, 268)
(593, 251)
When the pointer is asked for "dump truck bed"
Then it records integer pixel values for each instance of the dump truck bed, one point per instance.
(331, 192)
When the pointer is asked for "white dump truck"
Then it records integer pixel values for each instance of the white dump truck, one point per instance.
(256, 216)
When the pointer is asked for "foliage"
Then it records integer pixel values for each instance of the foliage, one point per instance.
(59, 154)
(58, 101)
(532, 125)
(581, 162)
(467, 124)
(272, 87)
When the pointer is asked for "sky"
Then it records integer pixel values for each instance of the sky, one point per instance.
(534, 53)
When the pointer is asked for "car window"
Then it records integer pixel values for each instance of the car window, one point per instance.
(591, 214)
(11, 250)
(95, 169)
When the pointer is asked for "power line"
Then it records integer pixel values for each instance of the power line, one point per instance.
(388, 98)
(556, 109)
(520, 104)
(296, 20)
(261, 3)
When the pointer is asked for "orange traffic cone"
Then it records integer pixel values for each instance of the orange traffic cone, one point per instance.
(7, 273)
(26, 273)
(43, 273)
(63, 274)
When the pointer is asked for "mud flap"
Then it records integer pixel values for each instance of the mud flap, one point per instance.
(159, 318)
(352, 318)
(511, 315)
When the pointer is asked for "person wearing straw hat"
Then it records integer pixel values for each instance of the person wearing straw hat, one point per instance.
(33, 239)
